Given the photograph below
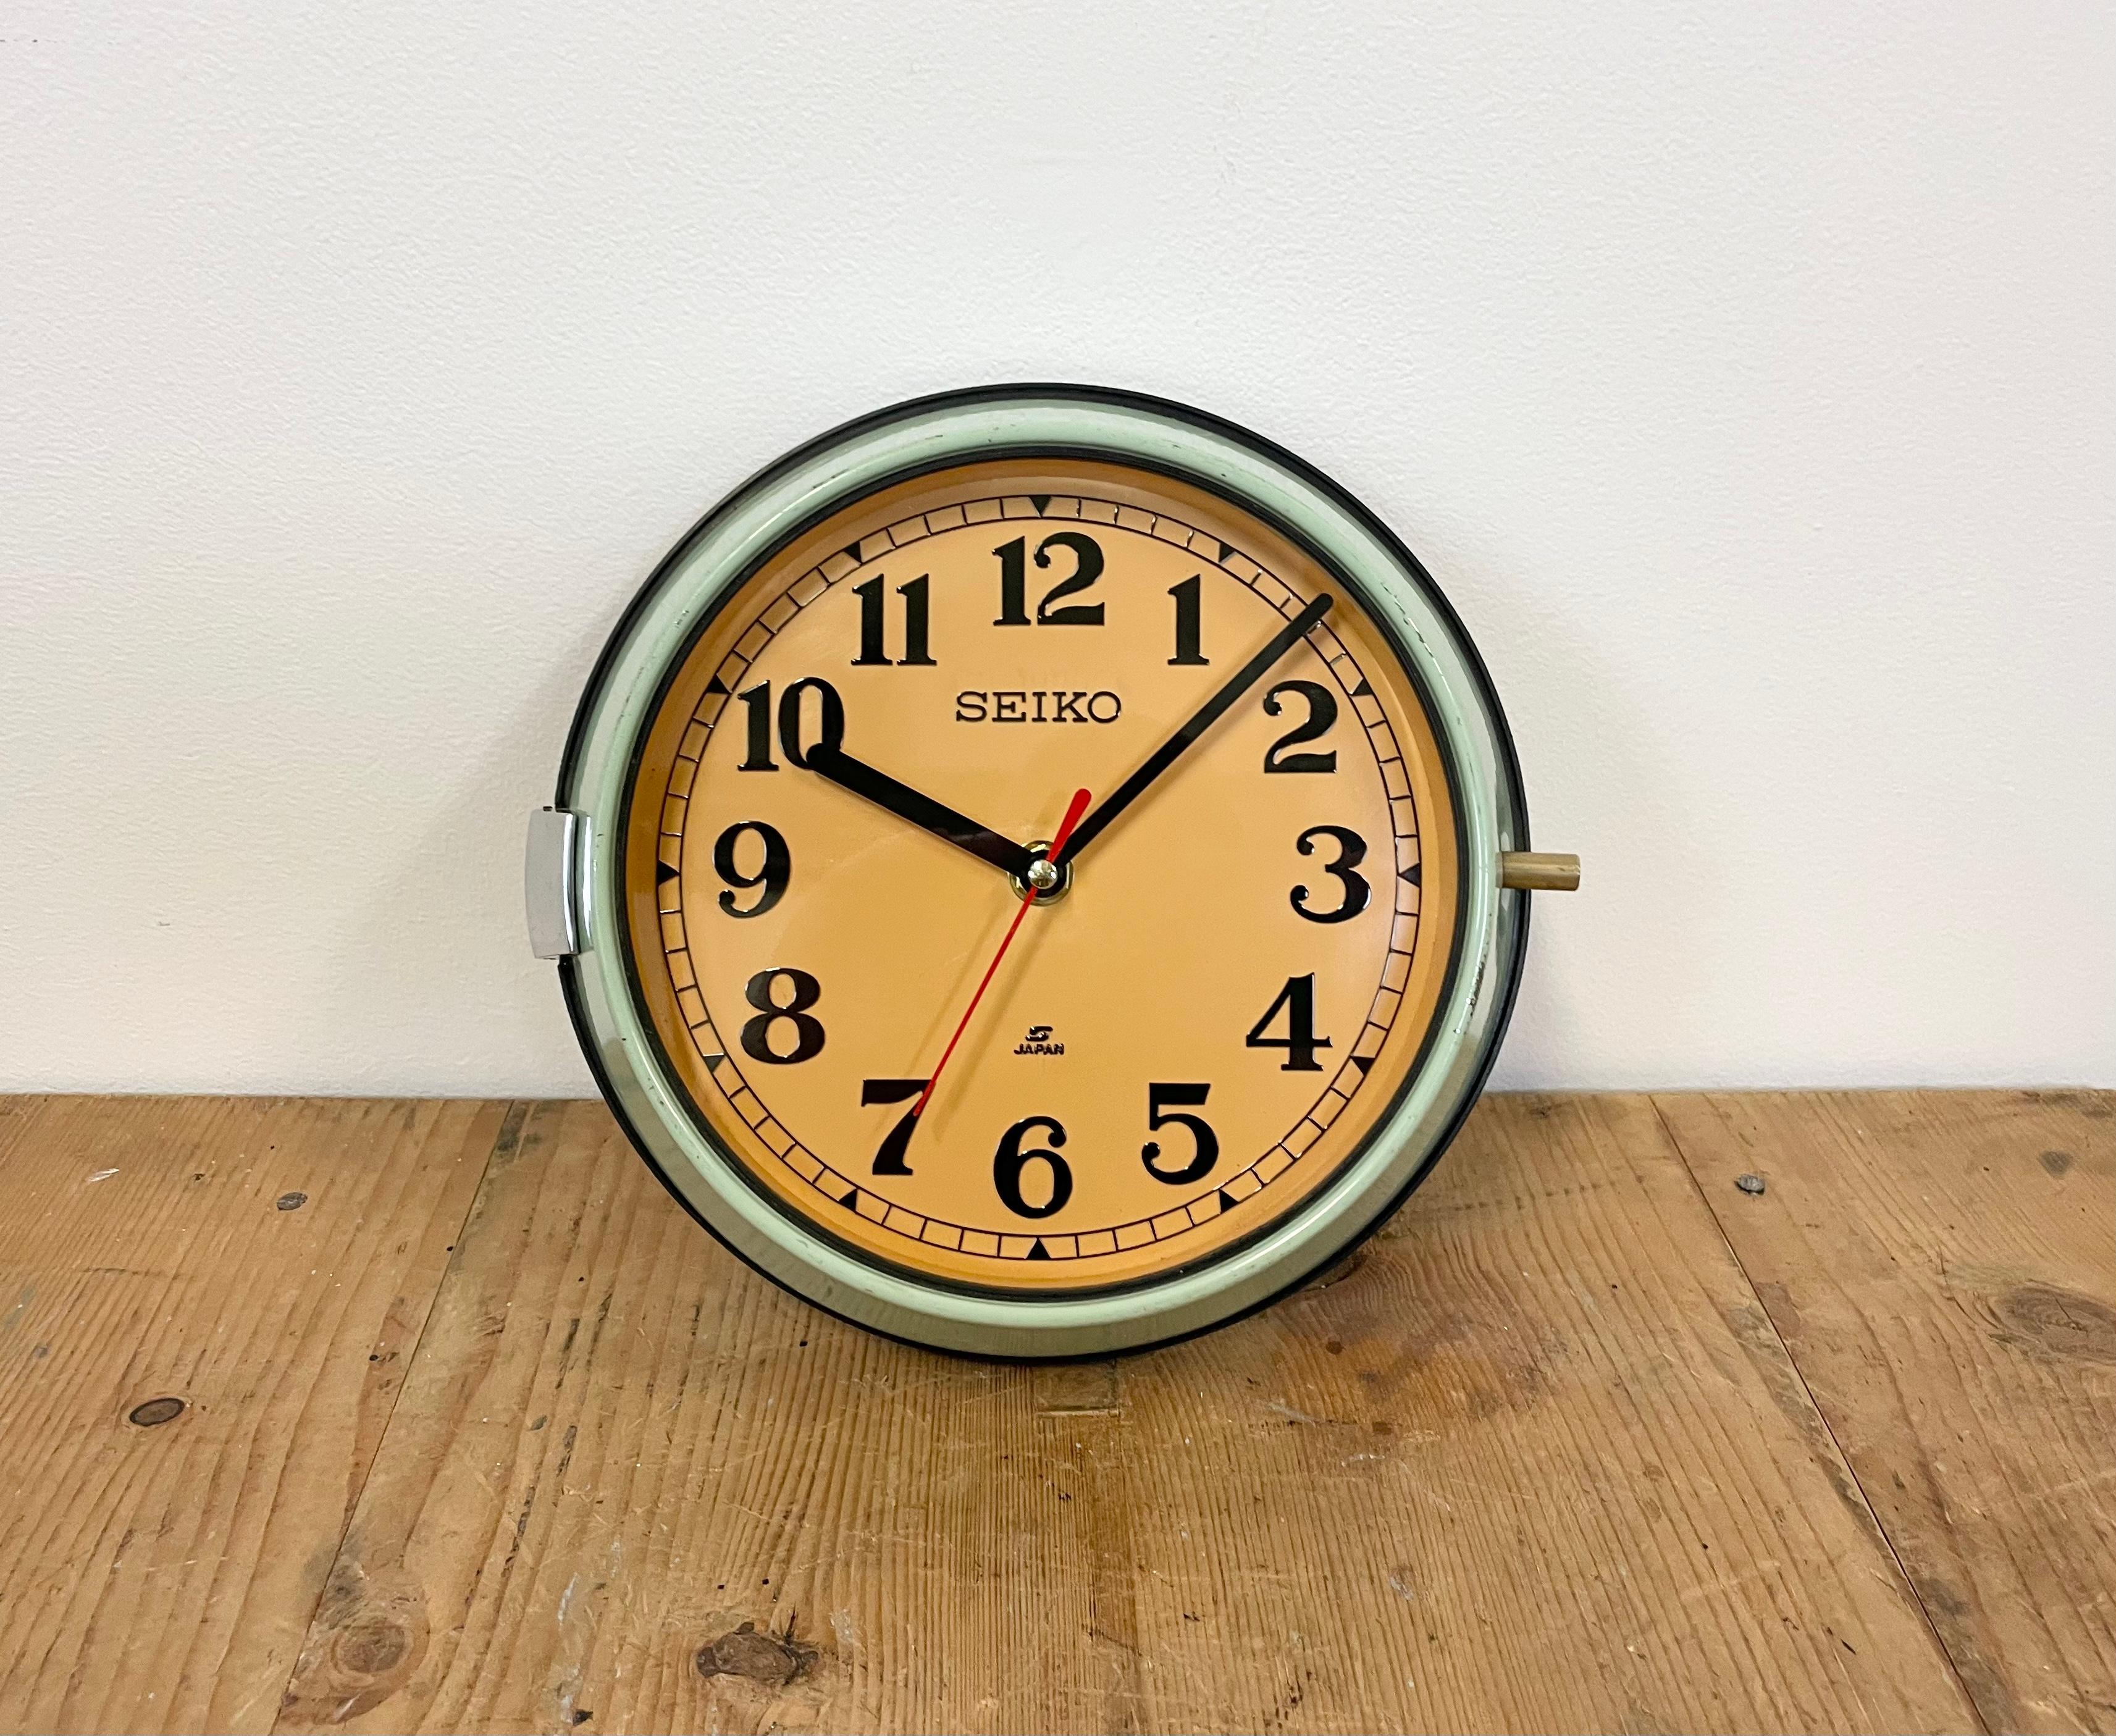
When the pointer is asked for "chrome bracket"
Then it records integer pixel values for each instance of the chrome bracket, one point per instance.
(550, 882)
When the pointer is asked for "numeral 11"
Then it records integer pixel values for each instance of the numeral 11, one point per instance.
(872, 648)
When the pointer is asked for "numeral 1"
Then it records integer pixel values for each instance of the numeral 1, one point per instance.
(758, 758)
(872, 648)
(1013, 583)
(1187, 612)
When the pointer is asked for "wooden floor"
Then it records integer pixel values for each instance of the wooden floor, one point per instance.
(440, 1415)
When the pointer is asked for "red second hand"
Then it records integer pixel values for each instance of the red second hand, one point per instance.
(1057, 848)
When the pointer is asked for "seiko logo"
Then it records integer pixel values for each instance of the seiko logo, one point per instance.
(1036, 705)
(1038, 1042)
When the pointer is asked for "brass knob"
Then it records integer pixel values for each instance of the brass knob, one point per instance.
(1538, 870)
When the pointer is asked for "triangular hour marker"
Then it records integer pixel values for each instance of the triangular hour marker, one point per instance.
(852, 550)
(851, 1199)
(1039, 1252)
(1363, 690)
(713, 1062)
(664, 872)
(1039, 502)
(1226, 551)
(1363, 1063)
(716, 686)
(1412, 876)
(1226, 1201)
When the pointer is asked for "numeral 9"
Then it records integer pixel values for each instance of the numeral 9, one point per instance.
(773, 876)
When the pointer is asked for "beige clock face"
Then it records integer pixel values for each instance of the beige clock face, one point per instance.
(1227, 992)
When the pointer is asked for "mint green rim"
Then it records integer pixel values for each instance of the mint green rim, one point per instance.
(1080, 423)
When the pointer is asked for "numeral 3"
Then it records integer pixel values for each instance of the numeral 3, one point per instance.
(1351, 852)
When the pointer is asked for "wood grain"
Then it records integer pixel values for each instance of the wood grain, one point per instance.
(269, 1265)
(1943, 1267)
(1537, 1459)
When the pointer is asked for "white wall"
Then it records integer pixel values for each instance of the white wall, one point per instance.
(1745, 373)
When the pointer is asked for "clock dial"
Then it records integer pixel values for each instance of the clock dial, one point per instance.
(840, 800)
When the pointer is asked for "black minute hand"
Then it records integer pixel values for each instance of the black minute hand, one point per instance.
(922, 810)
(1207, 714)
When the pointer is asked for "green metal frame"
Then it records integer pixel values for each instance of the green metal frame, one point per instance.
(962, 428)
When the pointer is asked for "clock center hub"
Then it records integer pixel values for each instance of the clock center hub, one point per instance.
(1049, 880)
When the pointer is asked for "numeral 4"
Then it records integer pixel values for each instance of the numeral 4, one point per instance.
(1300, 1042)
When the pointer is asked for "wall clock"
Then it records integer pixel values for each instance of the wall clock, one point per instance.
(1038, 871)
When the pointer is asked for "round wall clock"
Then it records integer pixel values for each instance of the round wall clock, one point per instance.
(1038, 872)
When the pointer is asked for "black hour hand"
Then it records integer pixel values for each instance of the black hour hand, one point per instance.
(921, 809)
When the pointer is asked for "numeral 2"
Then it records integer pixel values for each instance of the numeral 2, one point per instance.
(1013, 582)
(1322, 717)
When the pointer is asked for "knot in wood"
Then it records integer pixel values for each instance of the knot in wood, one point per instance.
(2061, 1321)
(758, 1657)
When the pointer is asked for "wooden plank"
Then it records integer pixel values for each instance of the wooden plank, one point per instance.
(619, 1447)
(269, 1265)
(1942, 1266)
(1537, 1460)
